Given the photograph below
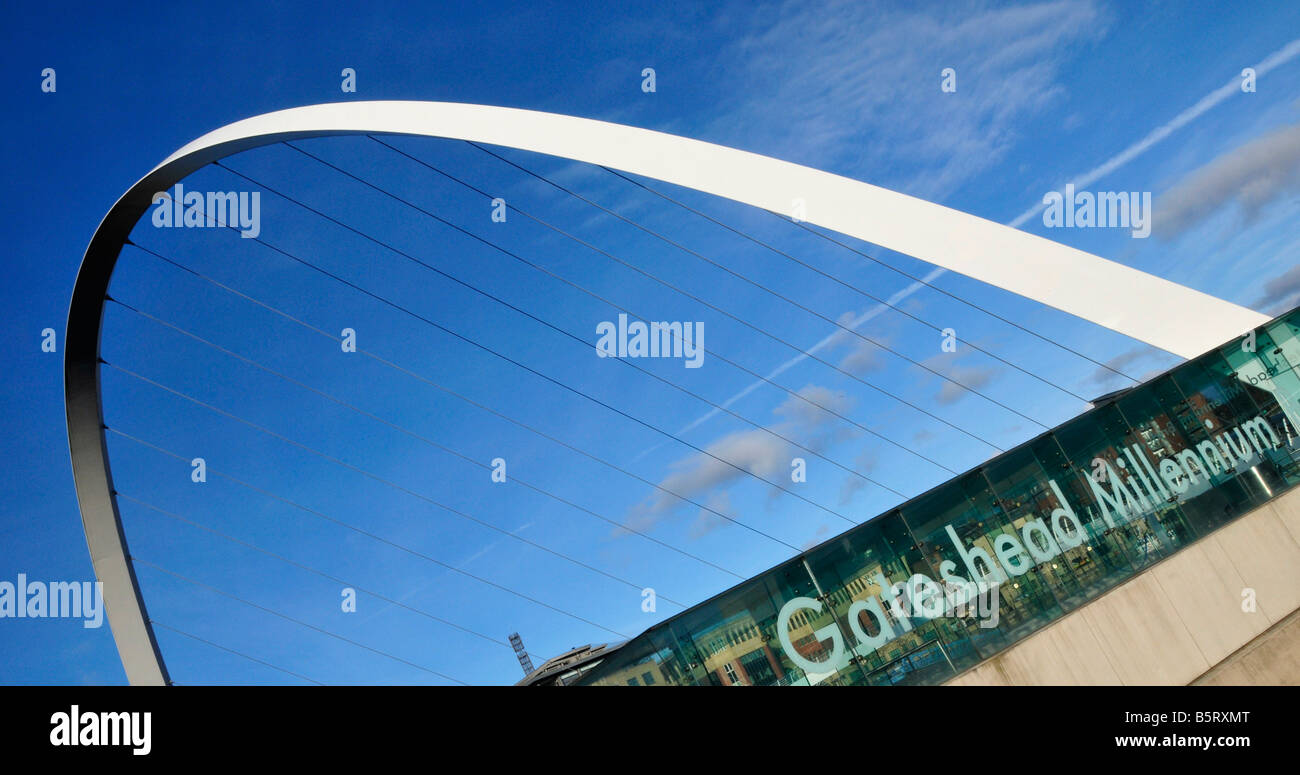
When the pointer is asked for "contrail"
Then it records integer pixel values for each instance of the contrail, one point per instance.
(1277, 58)
(855, 324)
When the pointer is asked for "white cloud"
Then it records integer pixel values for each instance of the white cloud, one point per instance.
(1232, 87)
(722, 463)
(1281, 293)
(863, 358)
(863, 464)
(708, 520)
(1103, 375)
(761, 452)
(812, 411)
(860, 84)
(962, 379)
(1251, 176)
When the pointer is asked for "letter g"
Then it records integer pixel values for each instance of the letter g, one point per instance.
(829, 632)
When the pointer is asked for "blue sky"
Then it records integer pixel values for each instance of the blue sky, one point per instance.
(1047, 93)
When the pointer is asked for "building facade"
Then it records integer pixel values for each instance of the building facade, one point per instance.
(948, 579)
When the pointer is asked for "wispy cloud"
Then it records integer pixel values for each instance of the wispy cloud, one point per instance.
(1251, 176)
(836, 338)
(1281, 293)
(708, 520)
(860, 83)
(1151, 139)
(761, 452)
(818, 536)
(836, 103)
(962, 379)
(1103, 376)
(1162, 132)
(863, 356)
(863, 464)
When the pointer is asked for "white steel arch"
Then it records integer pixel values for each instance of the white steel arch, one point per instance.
(1164, 314)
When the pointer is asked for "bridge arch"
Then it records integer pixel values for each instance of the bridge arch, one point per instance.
(1164, 314)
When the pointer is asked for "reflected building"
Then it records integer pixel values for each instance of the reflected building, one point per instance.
(1032, 535)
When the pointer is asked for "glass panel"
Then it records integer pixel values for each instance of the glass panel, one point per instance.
(1028, 501)
(1219, 402)
(1280, 353)
(1047, 526)
(967, 538)
(1102, 561)
(1154, 443)
(733, 639)
(1113, 499)
(1260, 365)
(1279, 348)
(864, 575)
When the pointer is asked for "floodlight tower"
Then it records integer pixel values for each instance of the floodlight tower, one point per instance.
(524, 661)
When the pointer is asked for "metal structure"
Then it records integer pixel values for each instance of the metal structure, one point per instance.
(1172, 317)
(517, 643)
